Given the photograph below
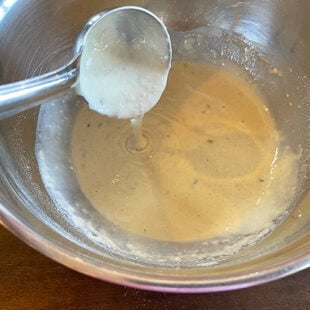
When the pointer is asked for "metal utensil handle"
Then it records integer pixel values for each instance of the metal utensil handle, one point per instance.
(20, 96)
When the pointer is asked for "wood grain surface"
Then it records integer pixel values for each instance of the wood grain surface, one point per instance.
(29, 280)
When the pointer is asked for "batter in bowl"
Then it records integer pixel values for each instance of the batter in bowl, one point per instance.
(212, 165)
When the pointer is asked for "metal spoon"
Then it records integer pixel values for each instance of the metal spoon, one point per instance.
(20, 96)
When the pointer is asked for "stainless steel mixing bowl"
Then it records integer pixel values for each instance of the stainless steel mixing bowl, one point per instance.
(37, 36)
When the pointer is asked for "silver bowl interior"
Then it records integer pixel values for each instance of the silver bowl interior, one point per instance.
(38, 36)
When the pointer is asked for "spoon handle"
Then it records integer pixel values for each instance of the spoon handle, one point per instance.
(23, 95)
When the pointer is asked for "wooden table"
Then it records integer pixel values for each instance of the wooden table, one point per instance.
(29, 280)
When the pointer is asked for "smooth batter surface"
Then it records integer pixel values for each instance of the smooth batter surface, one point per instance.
(212, 166)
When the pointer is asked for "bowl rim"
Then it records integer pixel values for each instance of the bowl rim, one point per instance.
(167, 284)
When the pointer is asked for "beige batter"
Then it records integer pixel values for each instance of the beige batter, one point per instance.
(212, 166)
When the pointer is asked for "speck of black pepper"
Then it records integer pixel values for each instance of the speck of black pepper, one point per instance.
(210, 141)
(88, 125)
(261, 180)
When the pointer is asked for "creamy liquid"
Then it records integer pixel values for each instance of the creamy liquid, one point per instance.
(211, 167)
